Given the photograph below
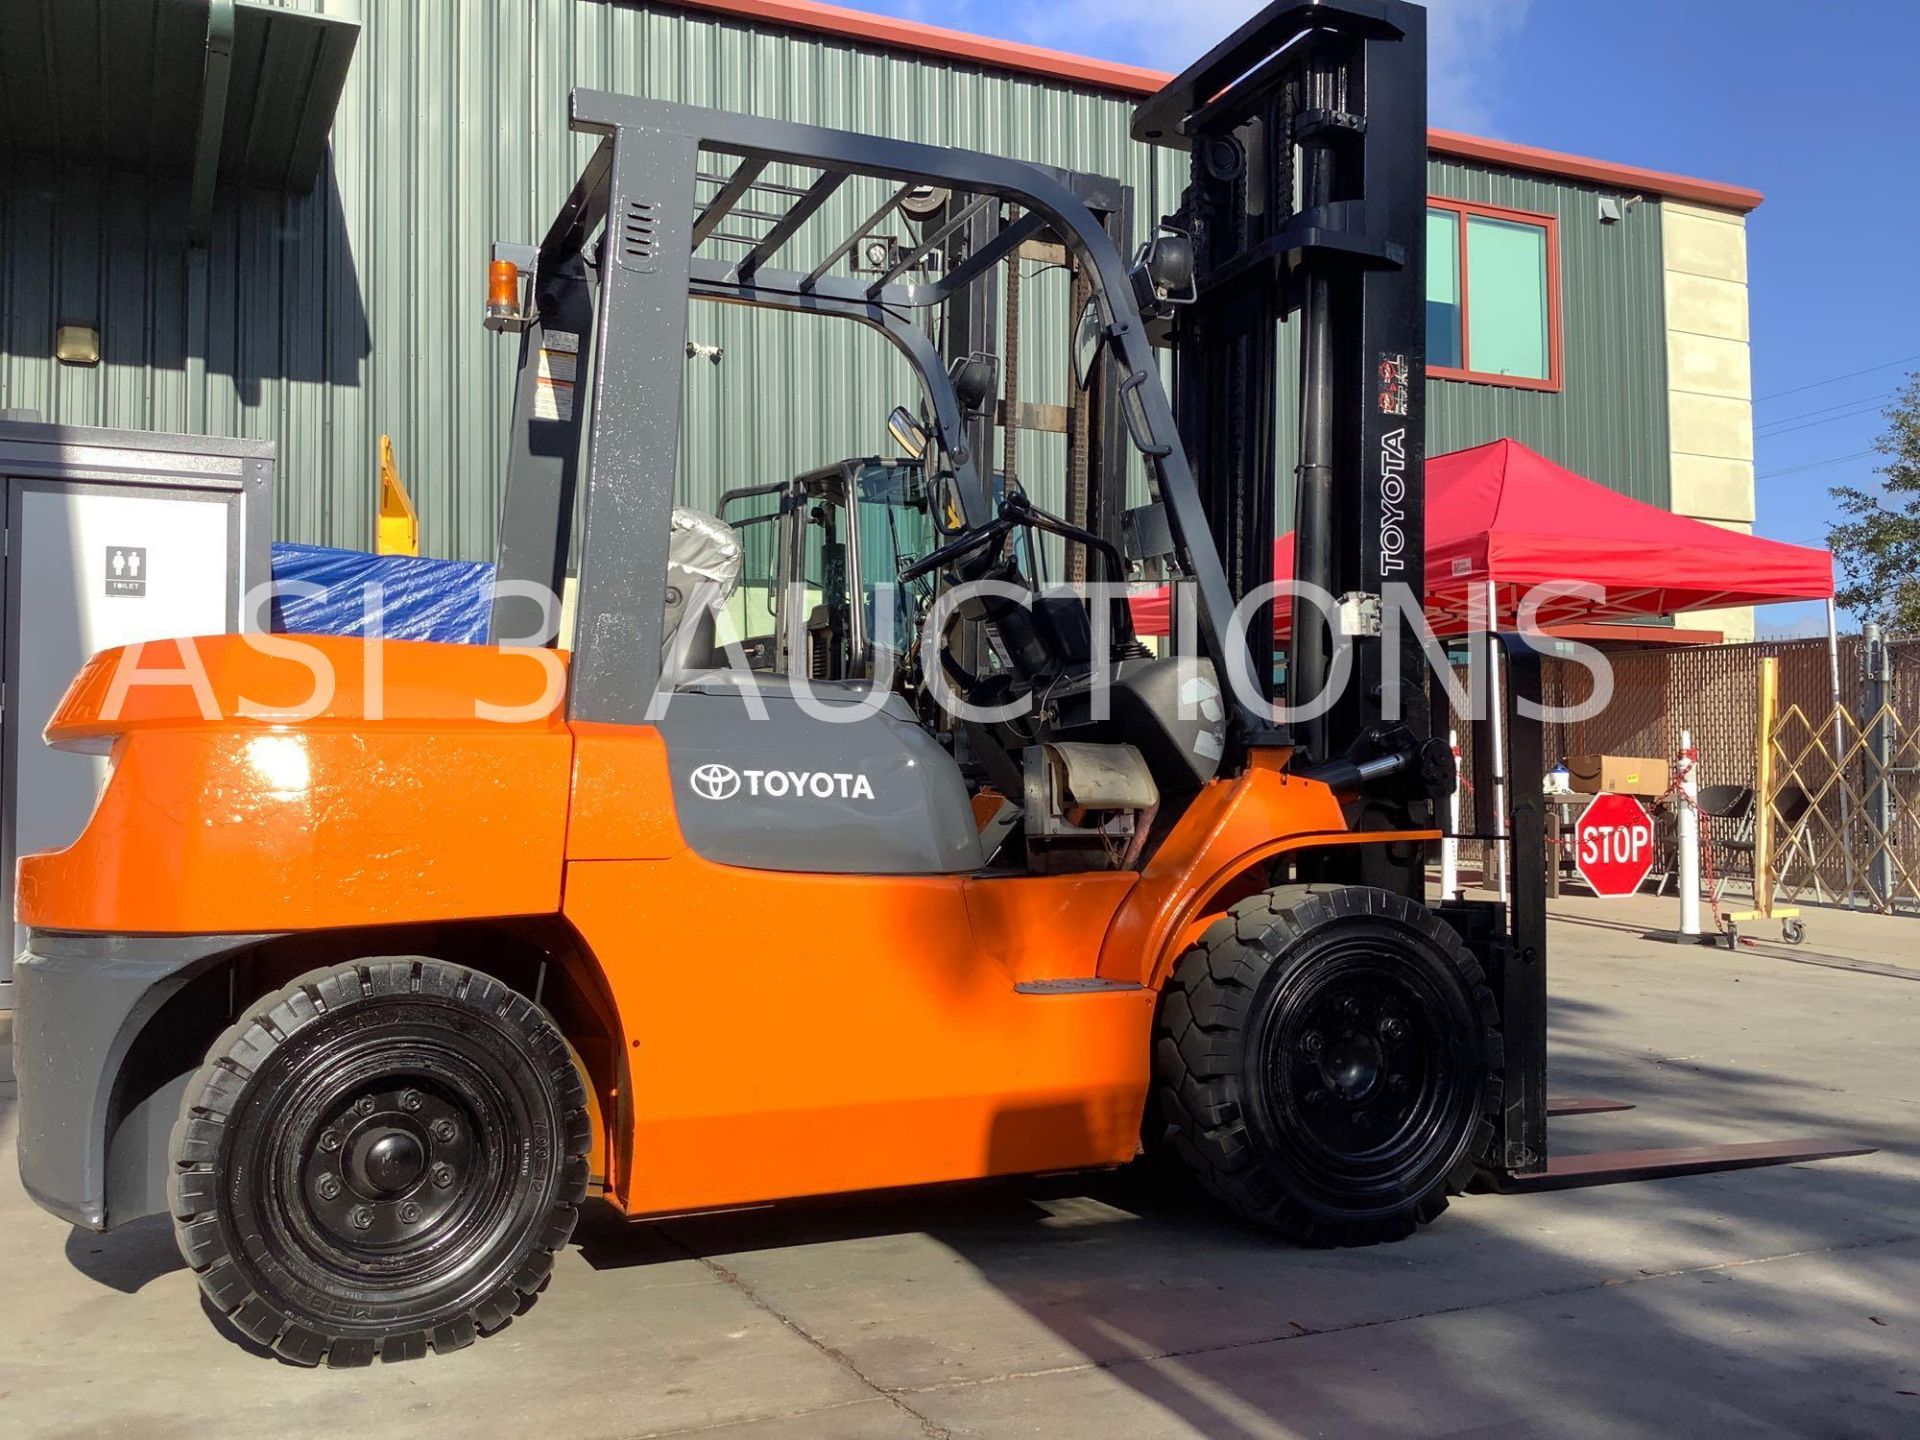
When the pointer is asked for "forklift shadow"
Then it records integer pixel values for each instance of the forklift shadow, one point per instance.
(1234, 1335)
(127, 1258)
(1042, 1282)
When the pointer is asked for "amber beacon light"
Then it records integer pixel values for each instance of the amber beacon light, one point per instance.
(503, 293)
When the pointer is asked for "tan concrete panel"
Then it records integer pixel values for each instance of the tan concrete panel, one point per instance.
(1703, 243)
(1703, 305)
(1709, 425)
(1708, 366)
(1735, 625)
(1709, 487)
(1705, 212)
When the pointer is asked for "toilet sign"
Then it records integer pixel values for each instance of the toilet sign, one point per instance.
(1613, 844)
(126, 570)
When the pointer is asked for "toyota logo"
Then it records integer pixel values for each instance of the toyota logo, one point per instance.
(715, 782)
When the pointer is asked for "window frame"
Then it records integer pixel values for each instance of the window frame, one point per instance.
(1463, 210)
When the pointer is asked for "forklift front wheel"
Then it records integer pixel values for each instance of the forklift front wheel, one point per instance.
(379, 1158)
(1327, 1061)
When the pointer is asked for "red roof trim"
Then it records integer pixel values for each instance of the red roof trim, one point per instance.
(886, 30)
(983, 50)
(1600, 172)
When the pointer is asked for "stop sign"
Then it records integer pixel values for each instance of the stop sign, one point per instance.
(1613, 844)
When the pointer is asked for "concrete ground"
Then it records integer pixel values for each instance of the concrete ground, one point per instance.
(1776, 1301)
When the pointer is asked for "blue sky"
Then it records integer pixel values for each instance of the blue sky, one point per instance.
(1813, 105)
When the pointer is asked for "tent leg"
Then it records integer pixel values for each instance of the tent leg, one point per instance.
(1497, 716)
(1763, 870)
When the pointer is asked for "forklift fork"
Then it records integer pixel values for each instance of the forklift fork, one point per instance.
(1514, 947)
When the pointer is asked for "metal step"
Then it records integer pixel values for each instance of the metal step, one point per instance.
(1074, 985)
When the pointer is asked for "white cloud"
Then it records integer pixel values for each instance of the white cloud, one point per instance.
(1463, 71)
(1154, 33)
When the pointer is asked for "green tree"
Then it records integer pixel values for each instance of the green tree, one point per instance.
(1878, 543)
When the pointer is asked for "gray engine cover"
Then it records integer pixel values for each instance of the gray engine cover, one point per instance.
(792, 791)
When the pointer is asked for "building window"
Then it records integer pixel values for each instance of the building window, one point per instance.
(1493, 295)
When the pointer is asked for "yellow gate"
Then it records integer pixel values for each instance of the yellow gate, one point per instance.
(1841, 811)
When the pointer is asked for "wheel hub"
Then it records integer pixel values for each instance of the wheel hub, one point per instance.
(1360, 1063)
(392, 1167)
(1350, 1067)
(389, 1162)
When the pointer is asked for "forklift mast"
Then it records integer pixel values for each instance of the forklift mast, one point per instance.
(1306, 130)
(1306, 203)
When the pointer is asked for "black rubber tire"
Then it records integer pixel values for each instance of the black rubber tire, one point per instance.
(1237, 1036)
(336, 1103)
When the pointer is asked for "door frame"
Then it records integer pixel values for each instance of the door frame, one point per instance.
(148, 464)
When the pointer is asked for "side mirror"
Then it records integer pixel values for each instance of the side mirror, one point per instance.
(1087, 336)
(907, 432)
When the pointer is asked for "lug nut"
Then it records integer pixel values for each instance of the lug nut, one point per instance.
(1311, 1042)
(1350, 1008)
(364, 1104)
(1316, 1098)
(1393, 1029)
(443, 1175)
(1398, 1085)
(410, 1100)
(409, 1214)
(328, 1187)
(1362, 1120)
(443, 1130)
(362, 1218)
(329, 1140)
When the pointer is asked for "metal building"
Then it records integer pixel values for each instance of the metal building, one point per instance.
(276, 216)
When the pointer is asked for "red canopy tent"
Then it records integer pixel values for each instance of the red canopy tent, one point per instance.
(1500, 514)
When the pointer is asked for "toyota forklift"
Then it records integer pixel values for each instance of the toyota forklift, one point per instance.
(369, 985)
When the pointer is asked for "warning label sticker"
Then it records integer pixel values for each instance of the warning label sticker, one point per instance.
(554, 376)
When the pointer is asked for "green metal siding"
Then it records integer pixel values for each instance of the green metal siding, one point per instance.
(1609, 422)
(320, 321)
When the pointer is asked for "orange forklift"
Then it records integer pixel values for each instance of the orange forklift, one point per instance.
(369, 982)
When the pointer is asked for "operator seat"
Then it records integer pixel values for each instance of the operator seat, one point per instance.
(704, 560)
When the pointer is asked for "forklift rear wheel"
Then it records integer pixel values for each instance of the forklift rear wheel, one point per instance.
(1327, 1061)
(379, 1158)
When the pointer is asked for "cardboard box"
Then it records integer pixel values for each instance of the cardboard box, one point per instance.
(1617, 775)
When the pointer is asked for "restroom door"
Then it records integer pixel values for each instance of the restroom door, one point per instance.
(91, 566)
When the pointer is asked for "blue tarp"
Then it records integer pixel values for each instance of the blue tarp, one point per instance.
(415, 598)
